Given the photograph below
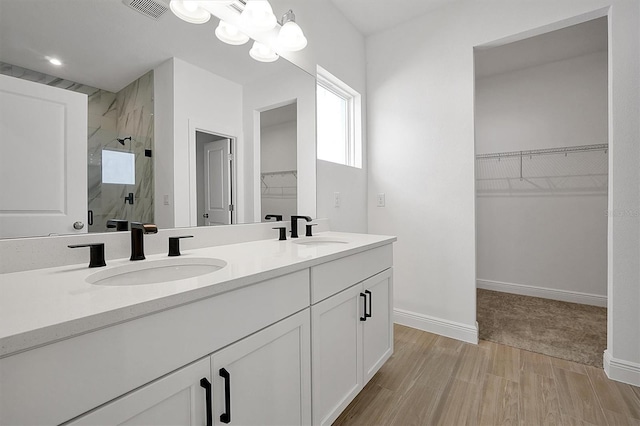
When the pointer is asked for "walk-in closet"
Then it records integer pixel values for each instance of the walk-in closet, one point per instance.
(541, 191)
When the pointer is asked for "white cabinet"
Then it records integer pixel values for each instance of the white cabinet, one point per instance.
(265, 379)
(377, 330)
(336, 353)
(352, 337)
(294, 349)
(176, 399)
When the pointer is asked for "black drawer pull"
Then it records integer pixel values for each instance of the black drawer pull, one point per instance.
(364, 309)
(368, 315)
(226, 416)
(206, 384)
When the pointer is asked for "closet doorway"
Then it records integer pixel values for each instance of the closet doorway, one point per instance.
(279, 161)
(541, 129)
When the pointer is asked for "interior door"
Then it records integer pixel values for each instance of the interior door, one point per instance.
(217, 182)
(43, 159)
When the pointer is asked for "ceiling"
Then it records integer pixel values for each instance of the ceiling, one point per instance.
(577, 40)
(373, 16)
(106, 44)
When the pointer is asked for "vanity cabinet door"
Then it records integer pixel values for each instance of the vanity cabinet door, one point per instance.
(336, 353)
(378, 328)
(265, 379)
(175, 399)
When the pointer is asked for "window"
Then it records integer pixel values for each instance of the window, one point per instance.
(338, 121)
(118, 167)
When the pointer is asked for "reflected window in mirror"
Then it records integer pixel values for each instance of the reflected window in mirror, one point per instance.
(118, 167)
(338, 121)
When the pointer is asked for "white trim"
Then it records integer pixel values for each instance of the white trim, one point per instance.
(452, 329)
(621, 370)
(545, 293)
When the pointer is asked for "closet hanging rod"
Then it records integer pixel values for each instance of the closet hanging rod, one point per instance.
(582, 148)
(281, 172)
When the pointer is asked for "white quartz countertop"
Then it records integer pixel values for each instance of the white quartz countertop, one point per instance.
(42, 306)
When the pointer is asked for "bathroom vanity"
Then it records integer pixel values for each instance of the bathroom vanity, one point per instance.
(280, 332)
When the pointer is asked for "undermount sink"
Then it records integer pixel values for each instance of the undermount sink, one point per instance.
(319, 241)
(156, 271)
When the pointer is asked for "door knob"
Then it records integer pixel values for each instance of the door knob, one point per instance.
(78, 225)
(206, 215)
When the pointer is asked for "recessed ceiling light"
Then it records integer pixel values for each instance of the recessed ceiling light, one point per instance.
(55, 61)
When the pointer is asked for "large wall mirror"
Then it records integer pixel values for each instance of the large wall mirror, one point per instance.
(181, 129)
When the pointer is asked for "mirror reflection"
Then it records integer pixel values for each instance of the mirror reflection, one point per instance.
(184, 120)
(278, 161)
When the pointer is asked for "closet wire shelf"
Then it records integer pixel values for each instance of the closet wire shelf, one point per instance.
(279, 184)
(571, 169)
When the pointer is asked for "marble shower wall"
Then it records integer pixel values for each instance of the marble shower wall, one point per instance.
(111, 116)
(134, 118)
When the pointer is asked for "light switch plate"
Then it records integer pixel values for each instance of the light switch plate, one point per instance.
(336, 199)
(381, 200)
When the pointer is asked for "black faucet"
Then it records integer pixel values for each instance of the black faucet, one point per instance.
(96, 252)
(137, 242)
(294, 224)
(119, 224)
(277, 217)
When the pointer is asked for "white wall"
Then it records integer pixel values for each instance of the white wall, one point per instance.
(203, 101)
(338, 47)
(278, 147)
(189, 98)
(558, 104)
(421, 142)
(275, 91)
(163, 144)
(533, 242)
(351, 183)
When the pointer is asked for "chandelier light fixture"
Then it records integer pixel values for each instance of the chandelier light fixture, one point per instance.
(190, 11)
(255, 19)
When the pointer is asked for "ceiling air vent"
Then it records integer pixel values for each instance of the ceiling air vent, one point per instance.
(152, 8)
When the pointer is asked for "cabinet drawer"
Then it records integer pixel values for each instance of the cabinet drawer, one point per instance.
(333, 277)
(57, 382)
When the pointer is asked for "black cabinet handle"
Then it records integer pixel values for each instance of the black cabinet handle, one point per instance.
(90, 217)
(368, 315)
(364, 318)
(226, 416)
(206, 384)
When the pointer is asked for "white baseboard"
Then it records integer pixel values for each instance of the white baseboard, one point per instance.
(620, 370)
(439, 326)
(545, 293)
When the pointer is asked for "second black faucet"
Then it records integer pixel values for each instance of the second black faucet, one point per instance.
(294, 224)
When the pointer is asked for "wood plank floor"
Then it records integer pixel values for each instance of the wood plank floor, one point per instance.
(433, 380)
